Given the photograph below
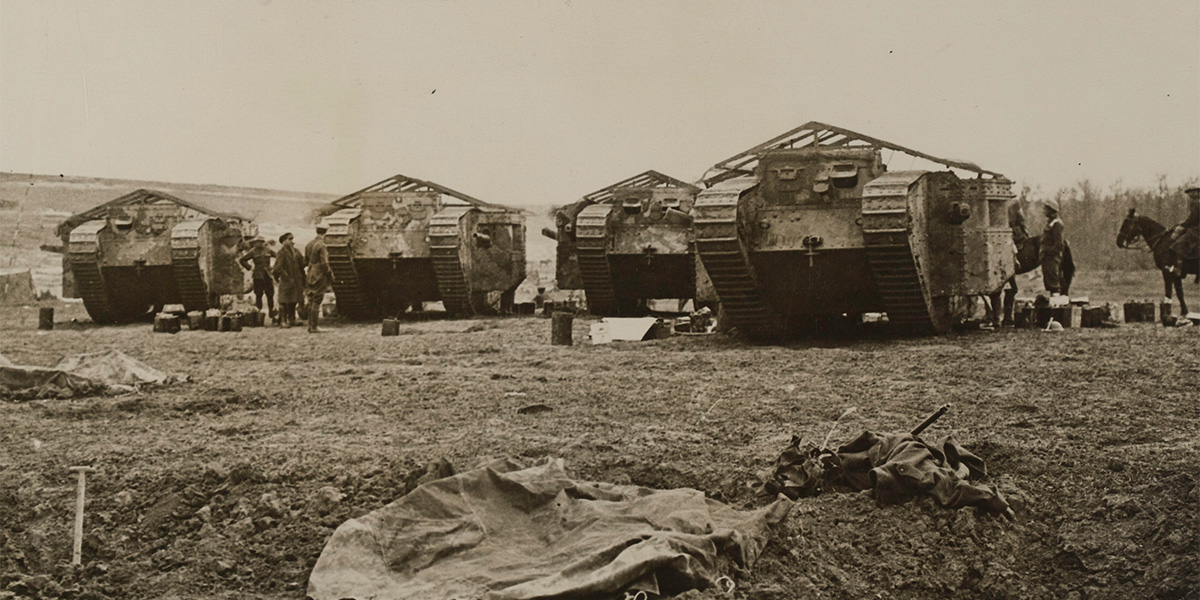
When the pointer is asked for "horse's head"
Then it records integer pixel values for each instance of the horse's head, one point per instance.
(1129, 230)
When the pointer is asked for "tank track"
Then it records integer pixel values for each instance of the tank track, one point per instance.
(591, 246)
(89, 282)
(728, 264)
(898, 283)
(444, 244)
(189, 279)
(886, 226)
(351, 301)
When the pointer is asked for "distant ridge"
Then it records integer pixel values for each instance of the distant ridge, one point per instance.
(74, 194)
(32, 206)
(8, 178)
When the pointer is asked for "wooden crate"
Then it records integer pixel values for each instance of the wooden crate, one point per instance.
(1142, 312)
(1069, 316)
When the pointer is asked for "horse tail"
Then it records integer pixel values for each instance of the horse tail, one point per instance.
(1068, 268)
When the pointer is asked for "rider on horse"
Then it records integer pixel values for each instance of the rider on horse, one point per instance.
(1185, 239)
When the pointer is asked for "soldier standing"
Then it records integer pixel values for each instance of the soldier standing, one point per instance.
(319, 278)
(1052, 250)
(289, 270)
(261, 256)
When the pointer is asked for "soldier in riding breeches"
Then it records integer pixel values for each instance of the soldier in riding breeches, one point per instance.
(319, 278)
(260, 255)
(1185, 238)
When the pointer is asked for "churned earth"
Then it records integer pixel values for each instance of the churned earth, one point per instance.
(228, 485)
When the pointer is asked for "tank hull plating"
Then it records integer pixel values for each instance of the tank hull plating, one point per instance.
(828, 285)
(820, 235)
(146, 250)
(392, 250)
(629, 243)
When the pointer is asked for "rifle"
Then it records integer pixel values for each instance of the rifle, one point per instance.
(930, 420)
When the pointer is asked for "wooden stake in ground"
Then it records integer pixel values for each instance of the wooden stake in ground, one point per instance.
(77, 553)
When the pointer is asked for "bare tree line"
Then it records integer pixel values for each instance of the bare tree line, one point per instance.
(1093, 217)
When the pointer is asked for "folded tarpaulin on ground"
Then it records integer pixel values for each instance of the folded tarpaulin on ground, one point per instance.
(109, 372)
(27, 383)
(896, 467)
(508, 532)
(113, 367)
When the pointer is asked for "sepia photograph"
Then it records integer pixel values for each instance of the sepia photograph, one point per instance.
(599, 299)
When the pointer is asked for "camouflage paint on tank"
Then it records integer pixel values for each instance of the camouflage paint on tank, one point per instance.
(629, 242)
(147, 249)
(404, 241)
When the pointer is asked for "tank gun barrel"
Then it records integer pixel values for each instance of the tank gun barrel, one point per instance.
(550, 233)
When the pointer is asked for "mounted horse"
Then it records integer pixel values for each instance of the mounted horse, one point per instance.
(1158, 240)
(1029, 253)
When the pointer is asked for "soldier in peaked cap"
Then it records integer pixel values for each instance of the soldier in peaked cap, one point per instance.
(289, 270)
(1051, 252)
(319, 277)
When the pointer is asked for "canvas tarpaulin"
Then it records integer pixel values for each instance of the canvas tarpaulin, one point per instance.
(108, 372)
(113, 367)
(16, 287)
(507, 532)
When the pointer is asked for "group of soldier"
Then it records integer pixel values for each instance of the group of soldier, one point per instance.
(304, 278)
(1184, 241)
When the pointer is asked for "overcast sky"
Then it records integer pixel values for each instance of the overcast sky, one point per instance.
(541, 102)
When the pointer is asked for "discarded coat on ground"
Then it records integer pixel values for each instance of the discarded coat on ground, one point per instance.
(507, 532)
(896, 467)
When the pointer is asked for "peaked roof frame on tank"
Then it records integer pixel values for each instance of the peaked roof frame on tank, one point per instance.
(817, 134)
(135, 198)
(403, 183)
(651, 179)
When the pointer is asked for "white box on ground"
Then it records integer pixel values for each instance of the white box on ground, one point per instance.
(628, 329)
(599, 333)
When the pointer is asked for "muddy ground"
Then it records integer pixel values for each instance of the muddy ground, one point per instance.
(227, 486)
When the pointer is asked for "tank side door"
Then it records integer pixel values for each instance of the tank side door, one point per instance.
(566, 264)
(496, 242)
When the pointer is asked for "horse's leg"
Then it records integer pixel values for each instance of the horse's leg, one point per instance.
(1010, 297)
(1167, 286)
(1183, 311)
(994, 307)
(1068, 269)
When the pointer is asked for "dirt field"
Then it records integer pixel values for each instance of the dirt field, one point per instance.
(227, 486)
